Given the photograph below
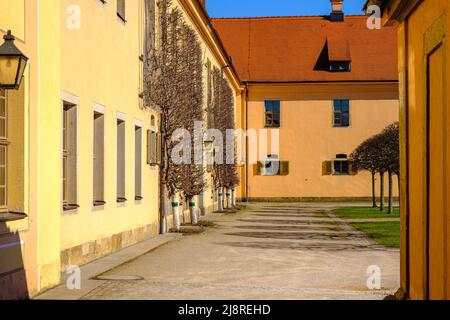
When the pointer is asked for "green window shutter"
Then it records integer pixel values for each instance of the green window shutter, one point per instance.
(284, 168)
(352, 169)
(327, 168)
(257, 169)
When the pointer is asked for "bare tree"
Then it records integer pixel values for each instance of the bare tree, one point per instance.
(191, 180)
(166, 88)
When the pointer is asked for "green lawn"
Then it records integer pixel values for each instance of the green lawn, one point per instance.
(364, 212)
(384, 233)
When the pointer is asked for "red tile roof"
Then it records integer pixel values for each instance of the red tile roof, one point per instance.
(298, 49)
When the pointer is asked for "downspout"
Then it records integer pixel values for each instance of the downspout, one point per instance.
(246, 142)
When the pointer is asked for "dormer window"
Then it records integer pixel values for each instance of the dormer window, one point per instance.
(339, 57)
(340, 66)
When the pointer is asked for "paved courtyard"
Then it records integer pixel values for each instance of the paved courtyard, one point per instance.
(268, 251)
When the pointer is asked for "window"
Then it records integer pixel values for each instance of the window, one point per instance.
(339, 66)
(138, 163)
(271, 166)
(341, 113)
(3, 148)
(69, 155)
(121, 5)
(121, 161)
(99, 159)
(272, 113)
(341, 165)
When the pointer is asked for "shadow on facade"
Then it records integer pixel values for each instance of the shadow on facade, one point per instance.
(13, 281)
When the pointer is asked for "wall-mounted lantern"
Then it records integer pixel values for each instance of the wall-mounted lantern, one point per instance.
(12, 63)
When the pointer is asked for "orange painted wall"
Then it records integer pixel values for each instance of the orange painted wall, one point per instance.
(307, 136)
(423, 32)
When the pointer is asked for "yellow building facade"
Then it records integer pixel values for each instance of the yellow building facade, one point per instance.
(423, 28)
(79, 184)
(314, 91)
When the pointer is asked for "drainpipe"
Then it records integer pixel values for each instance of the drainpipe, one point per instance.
(246, 142)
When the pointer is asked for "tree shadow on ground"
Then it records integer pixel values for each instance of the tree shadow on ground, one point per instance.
(290, 208)
(283, 215)
(289, 245)
(289, 222)
(291, 211)
(291, 228)
(330, 236)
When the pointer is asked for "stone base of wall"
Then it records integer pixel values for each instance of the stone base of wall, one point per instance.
(311, 199)
(13, 285)
(89, 251)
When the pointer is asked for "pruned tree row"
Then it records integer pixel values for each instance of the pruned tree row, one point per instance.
(174, 85)
(380, 155)
(221, 117)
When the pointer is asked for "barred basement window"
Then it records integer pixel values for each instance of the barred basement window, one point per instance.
(3, 149)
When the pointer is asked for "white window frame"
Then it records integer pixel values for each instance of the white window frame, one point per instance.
(334, 173)
(264, 171)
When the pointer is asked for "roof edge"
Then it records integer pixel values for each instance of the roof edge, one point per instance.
(286, 17)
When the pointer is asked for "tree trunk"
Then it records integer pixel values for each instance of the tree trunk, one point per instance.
(229, 201)
(233, 197)
(220, 199)
(192, 209)
(374, 196)
(390, 193)
(163, 211)
(381, 191)
(176, 212)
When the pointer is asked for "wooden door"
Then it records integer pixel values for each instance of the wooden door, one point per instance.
(437, 174)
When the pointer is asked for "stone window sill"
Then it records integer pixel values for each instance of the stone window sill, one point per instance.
(12, 216)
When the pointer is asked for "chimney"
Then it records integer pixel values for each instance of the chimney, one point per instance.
(337, 13)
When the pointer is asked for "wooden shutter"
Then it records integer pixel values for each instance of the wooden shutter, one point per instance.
(149, 147)
(257, 169)
(327, 168)
(158, 139)
(153, 148)
(352, 169)
(284, 168)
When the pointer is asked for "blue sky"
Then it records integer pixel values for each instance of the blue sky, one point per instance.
(257, 8)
